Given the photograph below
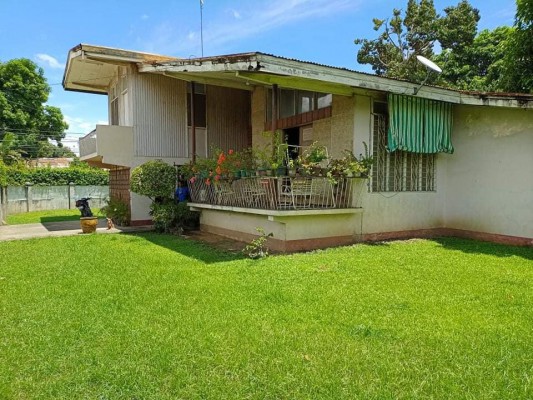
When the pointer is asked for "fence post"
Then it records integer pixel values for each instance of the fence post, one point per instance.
(29, 196)
(71, 187)
(3, 198)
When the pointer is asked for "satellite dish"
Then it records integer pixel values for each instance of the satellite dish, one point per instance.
(431, 66)
(428, 63)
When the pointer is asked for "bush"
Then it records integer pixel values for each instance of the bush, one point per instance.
(169, 216)
(154, 179)
(3, 174)
(18, 176)
(118, 210)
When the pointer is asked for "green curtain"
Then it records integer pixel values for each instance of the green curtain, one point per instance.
(419, 125)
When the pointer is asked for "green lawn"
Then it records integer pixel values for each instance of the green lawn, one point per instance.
(160, 317)
(35, 217)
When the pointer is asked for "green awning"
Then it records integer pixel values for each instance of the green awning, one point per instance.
(419, 125)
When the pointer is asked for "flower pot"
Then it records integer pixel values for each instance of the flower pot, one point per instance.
(281, 171)
(88, 224)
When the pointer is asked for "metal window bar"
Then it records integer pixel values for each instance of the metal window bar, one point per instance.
(399, 171)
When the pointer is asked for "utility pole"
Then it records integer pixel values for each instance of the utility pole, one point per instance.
(202, 25)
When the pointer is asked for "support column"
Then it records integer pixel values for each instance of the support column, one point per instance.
(71, 200)
(29, 196)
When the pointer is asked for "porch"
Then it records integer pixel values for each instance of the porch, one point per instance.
(301, 212)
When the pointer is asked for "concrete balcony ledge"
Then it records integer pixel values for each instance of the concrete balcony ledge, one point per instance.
(275, 213)
(108, 145)
(292, 230)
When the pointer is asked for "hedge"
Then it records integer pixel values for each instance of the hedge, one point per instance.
(16, 176)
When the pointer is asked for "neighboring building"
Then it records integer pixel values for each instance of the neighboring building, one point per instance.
(60, 162)
(483, 190)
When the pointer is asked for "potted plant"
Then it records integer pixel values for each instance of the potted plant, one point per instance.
(88, 221)
(292, 167)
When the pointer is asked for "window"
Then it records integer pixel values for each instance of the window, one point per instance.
(294, 102)
(399, 171)
(113, 107)
(200, 119)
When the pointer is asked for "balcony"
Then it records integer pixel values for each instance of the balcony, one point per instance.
(302, 213)
(108, 145)
(278, 193)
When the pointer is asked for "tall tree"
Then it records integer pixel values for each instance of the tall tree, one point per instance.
(478, 66)
(464, 56)
(519, 59)
(23, 113)
(402, 38)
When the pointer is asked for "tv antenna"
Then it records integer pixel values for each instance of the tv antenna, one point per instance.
(430, 66)
(202, 25)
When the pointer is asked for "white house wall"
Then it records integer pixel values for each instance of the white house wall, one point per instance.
(159, 116)
(490, 175)
(389, 212)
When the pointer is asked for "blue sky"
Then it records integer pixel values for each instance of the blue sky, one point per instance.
(313, 30)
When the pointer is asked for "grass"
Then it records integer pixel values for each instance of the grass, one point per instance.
(35, 217)
(159, 317)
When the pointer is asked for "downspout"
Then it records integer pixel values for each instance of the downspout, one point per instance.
(193, 124)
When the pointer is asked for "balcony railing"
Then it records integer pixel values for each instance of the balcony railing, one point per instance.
(108, 145)
(278, 193)
(88, 144)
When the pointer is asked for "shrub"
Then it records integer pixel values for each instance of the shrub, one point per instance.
(154, 179)
(3, 174)
(18, 175)
(168, 216)
(257, 247)
(118, 210)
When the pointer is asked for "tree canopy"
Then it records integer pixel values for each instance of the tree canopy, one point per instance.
(519, 59)
(495, 60)
(26, 122)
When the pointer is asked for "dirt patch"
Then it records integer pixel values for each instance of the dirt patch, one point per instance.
(216, 241)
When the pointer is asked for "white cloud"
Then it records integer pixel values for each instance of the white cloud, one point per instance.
(49, 60)
(262, 16)
(80, 125)
(144, 17)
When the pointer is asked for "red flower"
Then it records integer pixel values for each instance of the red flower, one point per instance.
(230, 151)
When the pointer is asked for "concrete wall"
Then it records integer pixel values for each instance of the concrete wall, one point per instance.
(490, 175)
(115, 144)
(22, 199)
(289, 232)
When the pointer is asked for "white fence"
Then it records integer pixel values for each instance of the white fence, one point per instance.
(19, 199)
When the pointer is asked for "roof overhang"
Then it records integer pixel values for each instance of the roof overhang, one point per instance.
(92, 68)
(251, 69)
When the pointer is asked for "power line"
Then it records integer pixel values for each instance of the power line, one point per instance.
(24, 131)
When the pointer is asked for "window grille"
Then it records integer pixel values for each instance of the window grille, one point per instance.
(399, 171)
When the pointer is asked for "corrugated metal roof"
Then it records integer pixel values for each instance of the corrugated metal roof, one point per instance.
(249, 57)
